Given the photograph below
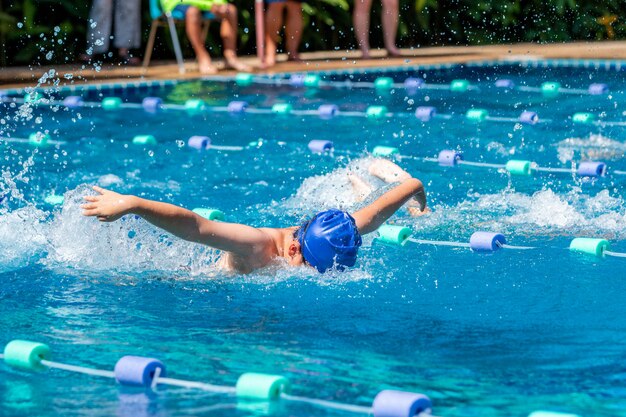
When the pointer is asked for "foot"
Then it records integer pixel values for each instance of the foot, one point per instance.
(293, 57)
(126, 58)
(129, 60)
(205, 66)
(270, 61)
(237, 65)
(394, 52)
(388, 171)
(361, 188)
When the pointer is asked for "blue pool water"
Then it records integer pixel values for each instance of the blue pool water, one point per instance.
(499, 334)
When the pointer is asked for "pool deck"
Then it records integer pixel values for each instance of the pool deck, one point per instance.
(17, 77)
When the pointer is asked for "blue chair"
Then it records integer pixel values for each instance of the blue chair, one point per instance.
(169, 20)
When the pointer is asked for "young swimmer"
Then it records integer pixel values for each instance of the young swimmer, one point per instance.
(330, 239)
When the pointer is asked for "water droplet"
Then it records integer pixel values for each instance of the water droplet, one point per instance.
(20, 25)
(49, 55)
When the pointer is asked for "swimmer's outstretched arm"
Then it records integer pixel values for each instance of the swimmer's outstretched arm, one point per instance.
(245, 240)
(370, 218)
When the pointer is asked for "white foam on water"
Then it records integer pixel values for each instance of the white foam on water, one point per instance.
(542, 213)
(22, 237)
(594, 147)
(334, 190)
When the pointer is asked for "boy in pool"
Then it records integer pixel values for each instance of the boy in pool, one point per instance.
(330, 239)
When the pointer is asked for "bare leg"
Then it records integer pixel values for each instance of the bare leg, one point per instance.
(193, 26)
(293, 29)
(228, 32)
(390, 15)
(361, 21)
(273, 23)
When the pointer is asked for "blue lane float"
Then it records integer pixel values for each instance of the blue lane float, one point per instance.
(598, 89)
(72, 102)
(449, 158)
(505, 83)
(146, 372)
(320, 146)
(413, 83)
(487, 241)
(199, 142)
(328, 110)
(591, 169)
(390, 403)
(137, 371)
(152, 104)
(237, 106)
(425, 113)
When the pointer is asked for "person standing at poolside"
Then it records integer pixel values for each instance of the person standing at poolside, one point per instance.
(389, 17)
(224, 11)
(293, 28)
(127, 26)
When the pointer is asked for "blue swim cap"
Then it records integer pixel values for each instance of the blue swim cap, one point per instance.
(330, 238)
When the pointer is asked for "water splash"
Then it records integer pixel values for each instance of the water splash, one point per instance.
(22, 237)
(129, 244)
(542, 213)
(594, 147)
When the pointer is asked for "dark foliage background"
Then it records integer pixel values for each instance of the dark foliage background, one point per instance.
(53, 31)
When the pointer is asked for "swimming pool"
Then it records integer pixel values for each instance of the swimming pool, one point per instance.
(482, 334)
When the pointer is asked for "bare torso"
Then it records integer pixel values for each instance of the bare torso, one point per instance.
(261, 256)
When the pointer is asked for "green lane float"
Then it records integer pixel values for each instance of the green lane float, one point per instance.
(25, 354)
(261, 386)
(208, 213)
(111, 103)
(397, 235)
(517, 167)
(590, 246)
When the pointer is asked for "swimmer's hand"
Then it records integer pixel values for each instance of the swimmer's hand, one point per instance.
(388, 171)
(416, 212)
(108, 206)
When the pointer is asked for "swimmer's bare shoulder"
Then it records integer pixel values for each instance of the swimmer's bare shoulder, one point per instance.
(260, 255)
